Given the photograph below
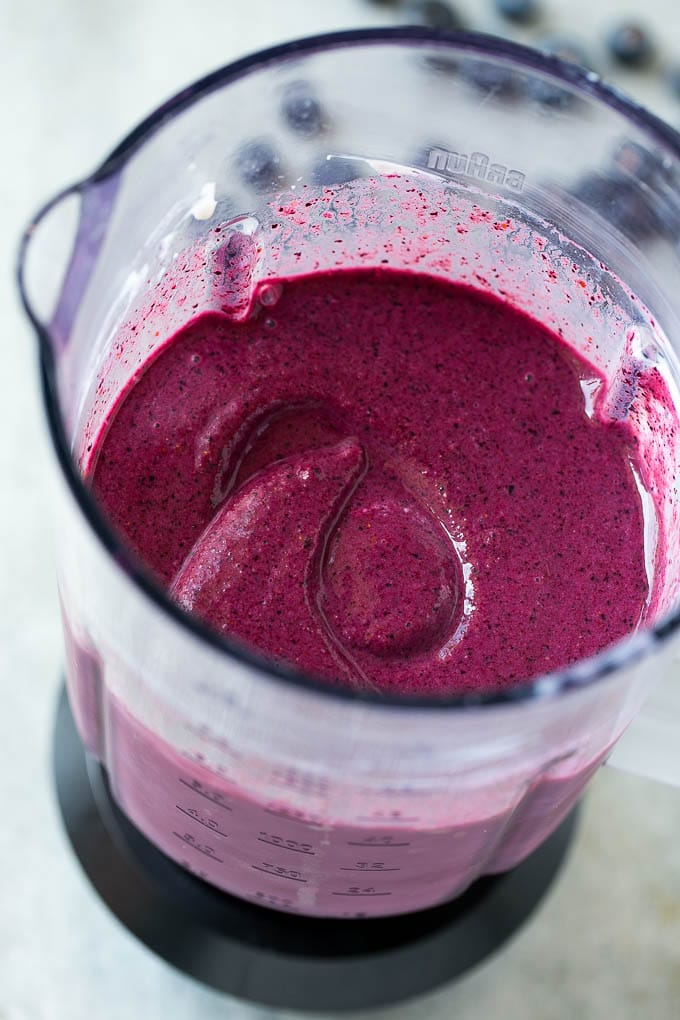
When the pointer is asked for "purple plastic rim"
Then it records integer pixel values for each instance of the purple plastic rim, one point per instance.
(581, 674)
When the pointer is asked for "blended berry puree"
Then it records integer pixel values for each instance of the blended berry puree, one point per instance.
(386, 480)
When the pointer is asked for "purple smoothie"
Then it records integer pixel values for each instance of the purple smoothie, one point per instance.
(388, 481)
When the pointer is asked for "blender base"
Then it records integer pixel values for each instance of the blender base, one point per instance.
(272, 958)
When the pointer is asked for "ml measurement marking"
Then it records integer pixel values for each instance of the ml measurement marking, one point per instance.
(298, 848)
(204, 849)
(292, 876)
(216, 799)
(194, 816)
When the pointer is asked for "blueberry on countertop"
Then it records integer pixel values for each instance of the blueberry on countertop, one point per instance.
(258, 164)
(301, 110)
(433, 14)
(522, 11)
(630, 44)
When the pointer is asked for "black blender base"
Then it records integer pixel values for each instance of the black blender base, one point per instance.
(277, 959)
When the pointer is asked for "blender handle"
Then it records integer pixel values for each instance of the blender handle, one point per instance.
(25, 245)
(651, 746)
(97, 196)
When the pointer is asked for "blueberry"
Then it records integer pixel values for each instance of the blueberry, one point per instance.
(302, 111)
(631, 44)
(523, 11)
(336, 170)
(258, 164)
(433, 14)
(489, 76)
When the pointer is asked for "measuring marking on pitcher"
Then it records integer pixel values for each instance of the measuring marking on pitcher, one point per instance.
(370, 867)
(277, 872)
(209, 823)
(355, 891)
(214, 797)
(202, 848)
(294, 815)
(287, 844)
(389, 817)
(381, 841)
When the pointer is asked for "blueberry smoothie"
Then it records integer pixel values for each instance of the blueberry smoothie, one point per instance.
(385, 480)
(390, 483)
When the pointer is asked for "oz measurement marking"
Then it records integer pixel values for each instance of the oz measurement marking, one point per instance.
(214, 798)
(202, 848)
(376, 841)
(389, 819)
(361, 866)
(195, 817)
(356, 891)
(293, 815)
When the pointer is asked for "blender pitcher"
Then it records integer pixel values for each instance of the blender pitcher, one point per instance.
(286, 793)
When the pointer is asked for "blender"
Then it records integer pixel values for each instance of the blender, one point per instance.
(296, 844)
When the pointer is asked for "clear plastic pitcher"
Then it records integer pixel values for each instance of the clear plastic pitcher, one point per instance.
(285, 792)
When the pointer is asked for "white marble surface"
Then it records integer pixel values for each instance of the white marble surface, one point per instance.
(75, 75)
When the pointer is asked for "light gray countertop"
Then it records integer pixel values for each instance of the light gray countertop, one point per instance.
(75, 76)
